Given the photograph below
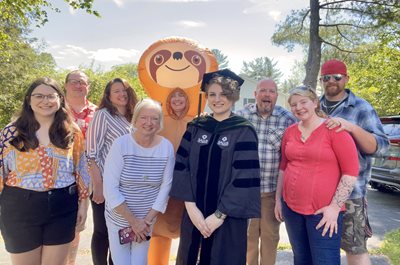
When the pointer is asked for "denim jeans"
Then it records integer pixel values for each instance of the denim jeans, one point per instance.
(308, 245)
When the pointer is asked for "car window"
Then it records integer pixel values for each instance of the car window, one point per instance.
(392, 129)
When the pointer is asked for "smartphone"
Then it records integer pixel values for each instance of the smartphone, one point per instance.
(126, 235)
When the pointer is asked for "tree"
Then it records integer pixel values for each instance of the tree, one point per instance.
(343, 25)
(295, 79)
(222, 59)
(375, 77)
(22, 65)
(24, 13)
(262, 67)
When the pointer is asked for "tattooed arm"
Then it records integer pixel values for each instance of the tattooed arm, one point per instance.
(331, 212)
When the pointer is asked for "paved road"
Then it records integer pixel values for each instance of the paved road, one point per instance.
(384, 213)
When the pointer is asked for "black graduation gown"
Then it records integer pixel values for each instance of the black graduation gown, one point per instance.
(217, 167)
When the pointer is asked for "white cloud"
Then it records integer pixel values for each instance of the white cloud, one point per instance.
(191, 24)
(68, 56)
(274, 8)
(114, 55)
(119, 3)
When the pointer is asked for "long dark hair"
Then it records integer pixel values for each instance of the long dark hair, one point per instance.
(132, 99)
(61, 131)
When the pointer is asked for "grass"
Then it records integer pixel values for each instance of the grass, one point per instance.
(391, 246)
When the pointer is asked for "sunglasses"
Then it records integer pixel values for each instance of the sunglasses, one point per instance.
(301, 88)
(337, 77)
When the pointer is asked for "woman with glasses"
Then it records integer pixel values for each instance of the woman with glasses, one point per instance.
(318, 171)
(137, 180)
(217, 175)
(109, 122)
(44, 177)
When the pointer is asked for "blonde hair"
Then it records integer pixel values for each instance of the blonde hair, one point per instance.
(151, 104)
(307, 91)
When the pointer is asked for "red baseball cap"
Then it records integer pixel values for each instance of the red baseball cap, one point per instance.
(333, 67)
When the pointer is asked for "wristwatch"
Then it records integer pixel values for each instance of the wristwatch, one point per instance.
(219, 215)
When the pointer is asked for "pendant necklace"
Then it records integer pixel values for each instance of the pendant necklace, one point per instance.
(329, 106)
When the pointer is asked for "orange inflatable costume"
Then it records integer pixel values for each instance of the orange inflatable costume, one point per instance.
(171, 71)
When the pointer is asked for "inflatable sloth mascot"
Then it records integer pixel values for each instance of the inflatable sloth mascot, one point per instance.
(171, 71)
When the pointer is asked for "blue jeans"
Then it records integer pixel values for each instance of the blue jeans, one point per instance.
(308, 245)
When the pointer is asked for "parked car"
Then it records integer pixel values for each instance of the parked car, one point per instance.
(385, 174)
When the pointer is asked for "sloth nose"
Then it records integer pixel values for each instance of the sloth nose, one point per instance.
(177, 55)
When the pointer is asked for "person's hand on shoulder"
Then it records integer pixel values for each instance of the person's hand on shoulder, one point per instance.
(340, 124)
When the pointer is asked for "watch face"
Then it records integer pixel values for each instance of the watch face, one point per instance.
(218, 214)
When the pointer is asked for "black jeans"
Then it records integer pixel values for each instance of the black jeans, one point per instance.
(100, 246)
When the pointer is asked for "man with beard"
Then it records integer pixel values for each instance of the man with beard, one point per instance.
(270, 121)
(359, 118)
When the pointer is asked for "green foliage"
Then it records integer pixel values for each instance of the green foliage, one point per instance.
(222, 59)
(374, 76)
(344, 25)
(262, 67)
(24, 13)
(18, 69)
(391, 246)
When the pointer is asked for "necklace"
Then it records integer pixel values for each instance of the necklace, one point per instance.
(305, 132)
(328, 107)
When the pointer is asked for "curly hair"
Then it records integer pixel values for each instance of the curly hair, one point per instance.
(229, 86)
(61, 131)
(107, 104)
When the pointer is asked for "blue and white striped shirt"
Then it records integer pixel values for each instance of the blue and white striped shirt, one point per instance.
(141, 177)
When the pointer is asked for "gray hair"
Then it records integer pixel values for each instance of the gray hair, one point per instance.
(150, 104)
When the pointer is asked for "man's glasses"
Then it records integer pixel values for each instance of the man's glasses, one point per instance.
(41, 97)
(337, 77)
(77, 82)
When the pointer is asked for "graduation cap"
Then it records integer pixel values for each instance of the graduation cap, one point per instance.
(224, 73)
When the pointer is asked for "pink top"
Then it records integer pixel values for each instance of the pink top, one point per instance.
(312, 169)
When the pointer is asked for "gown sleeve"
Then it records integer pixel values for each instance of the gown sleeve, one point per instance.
(181, 188)
(241, 196)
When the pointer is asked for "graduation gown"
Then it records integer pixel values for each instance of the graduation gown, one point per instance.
(217, 167)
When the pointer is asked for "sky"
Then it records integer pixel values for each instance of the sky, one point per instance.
(242, 30)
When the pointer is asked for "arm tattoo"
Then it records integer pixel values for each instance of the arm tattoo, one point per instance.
(343, 190)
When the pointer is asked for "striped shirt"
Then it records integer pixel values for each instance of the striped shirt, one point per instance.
(358, 111)
(141, 177)
(270, 132)
(103, 130)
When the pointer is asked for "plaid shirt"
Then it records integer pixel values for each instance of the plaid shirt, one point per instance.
(270, 132)
(360, 112)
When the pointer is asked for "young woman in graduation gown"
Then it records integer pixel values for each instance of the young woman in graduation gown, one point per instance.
(217, 176)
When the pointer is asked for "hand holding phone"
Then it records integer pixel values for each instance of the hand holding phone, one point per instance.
(126, 235)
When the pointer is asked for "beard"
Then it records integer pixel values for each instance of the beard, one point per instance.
(333, 90)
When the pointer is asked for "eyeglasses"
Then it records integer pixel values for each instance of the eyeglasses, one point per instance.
(77, 82)
(337, 77)
(41, 97)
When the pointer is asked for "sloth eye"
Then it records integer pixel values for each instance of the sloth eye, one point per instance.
(196, 60)
(159, 59)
